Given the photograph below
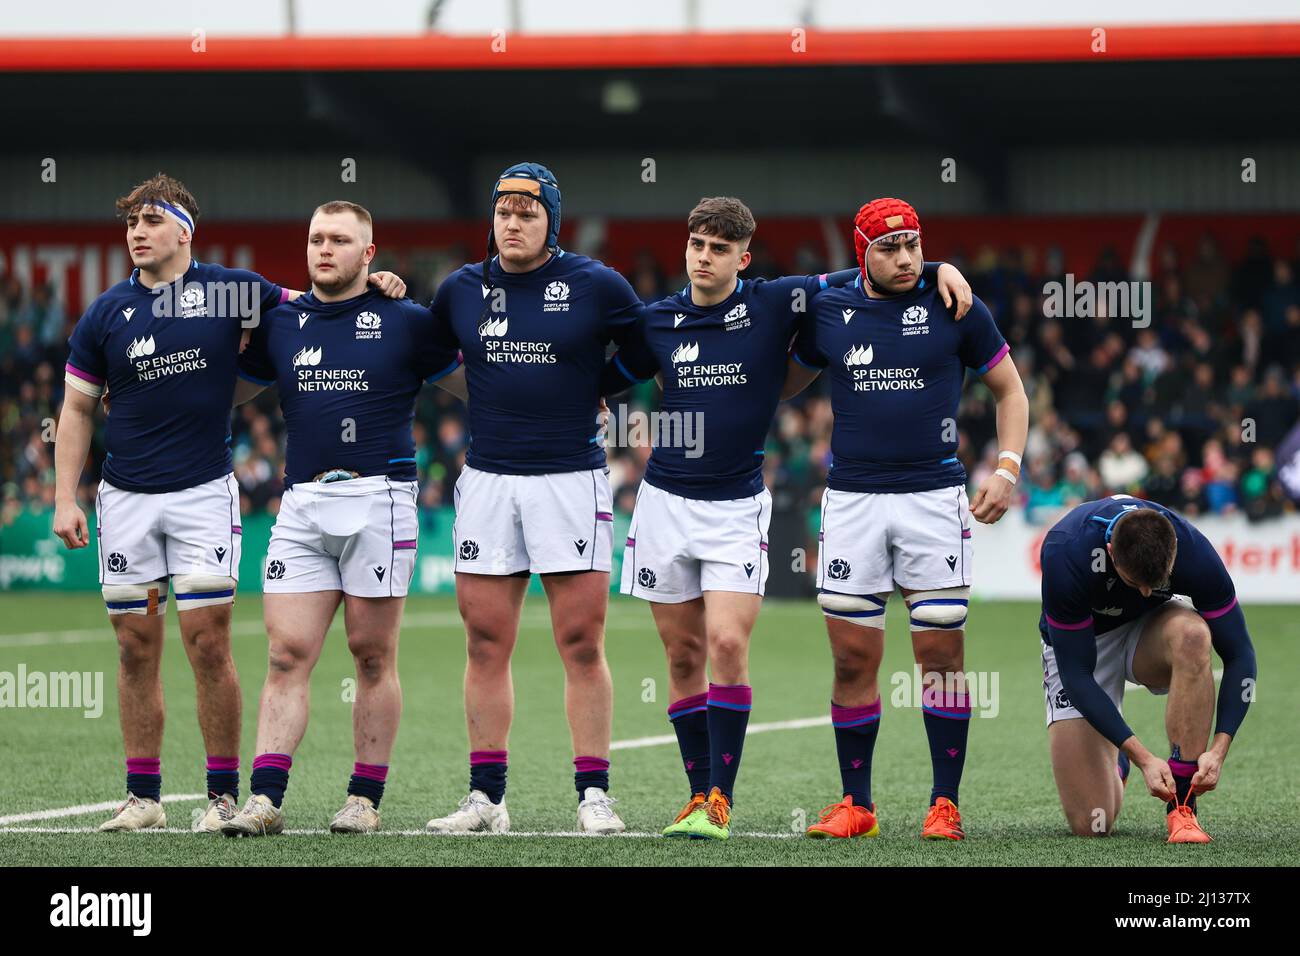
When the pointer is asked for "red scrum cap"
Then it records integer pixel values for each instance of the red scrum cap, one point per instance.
(878, 219)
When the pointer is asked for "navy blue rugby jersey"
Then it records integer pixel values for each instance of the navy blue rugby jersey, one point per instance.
(534, 348)
(723, 367)
(348, 374)
(897, 366)
(168, 357)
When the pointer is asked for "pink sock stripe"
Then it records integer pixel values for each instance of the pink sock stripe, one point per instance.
(144, 765)
(1182, 768)
(92, 379)
(371, 771)
(590, 764)
(477, 757)
(841, 714)
(279, 761)
(731, 693)
(1211, 615)
(223, 763)
(694, 702)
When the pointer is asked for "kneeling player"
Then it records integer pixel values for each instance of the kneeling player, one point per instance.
(1131, 591)
(348, 363)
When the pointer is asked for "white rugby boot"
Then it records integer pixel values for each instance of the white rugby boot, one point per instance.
(476, 814)
(137, 813)
(596, 813)
(220, 809)
(357, 816)
(260, 817)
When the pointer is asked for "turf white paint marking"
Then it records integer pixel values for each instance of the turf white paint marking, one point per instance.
(84, 808)
(631, 835)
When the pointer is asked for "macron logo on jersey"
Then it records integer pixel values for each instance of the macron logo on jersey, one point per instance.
(848, 314)
(494, 328)
(139, 348)
(678, 319)
(302, 318)
(307, 356)
(127, 313)
(858, 355)
(686, 353)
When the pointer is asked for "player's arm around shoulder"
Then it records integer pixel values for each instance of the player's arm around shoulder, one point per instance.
(954, 290)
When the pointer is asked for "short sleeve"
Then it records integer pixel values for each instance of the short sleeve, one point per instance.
(982, 345)
(635, 358)
(434, 352)
(1065, 594)
(619, 304)
(255, 363)
(87, 366)
(269, 294)
(440, 307)
(1199, 573)
(805, 350)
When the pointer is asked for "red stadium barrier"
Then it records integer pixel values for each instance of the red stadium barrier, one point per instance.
(654, 50)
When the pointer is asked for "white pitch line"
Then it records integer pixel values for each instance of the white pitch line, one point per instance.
(632, 744)
(664, 739)
(85, 808)
(630, 835)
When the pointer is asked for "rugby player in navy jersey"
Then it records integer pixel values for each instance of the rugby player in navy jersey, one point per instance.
(348, 364)
(894, 511)
(1133, 592)
(697, 546)
(533, 322)
(165, 342)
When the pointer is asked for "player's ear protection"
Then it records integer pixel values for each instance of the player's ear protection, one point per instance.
(147, 598)
(537, 182)
(865, 610)
(942, 610)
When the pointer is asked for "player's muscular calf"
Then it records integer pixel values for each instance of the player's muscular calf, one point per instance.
(1083, 762)
(139, 688)
(1174, 652)
(856, 652)
(205, 633)
(729, 620)
(372, 626)
(578, 603)
(683, 631)
(295, 628)
(490, 607)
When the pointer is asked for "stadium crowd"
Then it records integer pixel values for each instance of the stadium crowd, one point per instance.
(1188, 411)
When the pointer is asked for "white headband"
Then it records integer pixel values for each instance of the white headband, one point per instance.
(176, 212)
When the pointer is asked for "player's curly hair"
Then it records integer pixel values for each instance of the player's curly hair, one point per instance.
(723, 216)
(159, 186)
(1144, 544)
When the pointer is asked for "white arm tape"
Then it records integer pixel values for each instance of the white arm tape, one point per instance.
(1012, 455)
(1002, 472)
